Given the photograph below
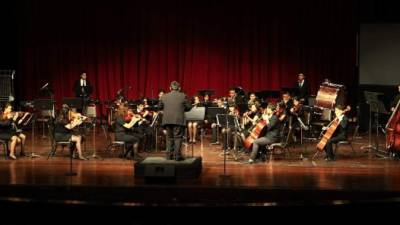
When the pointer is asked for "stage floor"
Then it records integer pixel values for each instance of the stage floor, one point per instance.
(295, 179)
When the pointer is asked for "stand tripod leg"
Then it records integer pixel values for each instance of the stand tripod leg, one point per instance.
(33, 155)
(71, 173)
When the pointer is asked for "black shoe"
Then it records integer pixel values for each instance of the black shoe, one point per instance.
(22, 154)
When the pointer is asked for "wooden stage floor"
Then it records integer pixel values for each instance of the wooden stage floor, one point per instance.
(355, 178)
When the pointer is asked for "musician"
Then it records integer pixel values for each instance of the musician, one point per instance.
(192, 125)
(214, 127)
(124, 124)
(64, 126)
(174, 105)
(206, 100)
(287, 102)
(83, 87)
(143, 128)
(296, 115)
(340, 133)
(161, 92)
(227, 132)
(395, 100)
(273, 115)
(303, 89)
(8, 131)
(253, 100)
(250, 117)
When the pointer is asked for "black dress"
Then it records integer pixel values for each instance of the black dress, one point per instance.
(61, 133)
(6, 129)
(123, 134)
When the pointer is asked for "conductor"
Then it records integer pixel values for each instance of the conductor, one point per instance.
(174, 105)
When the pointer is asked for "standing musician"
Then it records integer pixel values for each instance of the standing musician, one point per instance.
(8, 130)
(227, 132)
(124, 123)
(144, 126)
(192, 125)
(395, 100)
(214, 126)
(273, 115)
(65, 122)
(303, 89)
(174, 105)
(340, 133)
(83, 89)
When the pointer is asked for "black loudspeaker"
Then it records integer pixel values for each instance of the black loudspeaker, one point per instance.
(159, 167)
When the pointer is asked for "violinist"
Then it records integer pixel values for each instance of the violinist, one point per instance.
(340, 133)
(65, 122)
(193, 125)
(250, 117)
(287, 102)
(273, 115)
(124, 123)
(8, 131)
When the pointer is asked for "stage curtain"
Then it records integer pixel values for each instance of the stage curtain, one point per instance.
(257, 45)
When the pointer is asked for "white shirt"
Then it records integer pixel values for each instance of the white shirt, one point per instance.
(83, 82)
(301, 83)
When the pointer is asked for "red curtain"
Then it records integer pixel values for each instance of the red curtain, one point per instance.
(201, 44)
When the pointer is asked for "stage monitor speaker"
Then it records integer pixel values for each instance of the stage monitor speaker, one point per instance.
(159, 167)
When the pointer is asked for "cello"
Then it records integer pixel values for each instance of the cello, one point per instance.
(330, 131)
(257, 129)
(393, 131)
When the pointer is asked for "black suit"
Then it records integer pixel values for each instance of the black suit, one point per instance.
(174, 105)
(303, 92)
(271, 136)
(340, 134)
(82, 91)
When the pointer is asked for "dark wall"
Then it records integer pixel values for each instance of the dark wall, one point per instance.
(8, 35)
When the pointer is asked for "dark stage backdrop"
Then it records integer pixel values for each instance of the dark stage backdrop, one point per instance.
(201, 44)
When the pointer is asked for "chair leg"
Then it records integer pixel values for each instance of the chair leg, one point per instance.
(351, 146)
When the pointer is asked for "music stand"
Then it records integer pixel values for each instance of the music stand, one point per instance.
(376, 106)
(212, 112)
(229, 121)
(196, 114)
(73, 102)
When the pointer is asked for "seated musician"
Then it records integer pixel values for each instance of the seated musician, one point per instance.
(273, 115)
(161, 92)
(227, 132)
(296, 116)
(252, 100)
(63, 130)
(8, 131)
(250, 117)
(124, 123)
(193, 125)
(395, 100)
(340, 133)
(287, 102)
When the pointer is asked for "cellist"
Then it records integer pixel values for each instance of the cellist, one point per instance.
(340, 133)
(273, 116)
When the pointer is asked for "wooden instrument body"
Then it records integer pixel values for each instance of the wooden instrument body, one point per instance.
(329, 96)
(255, 133)
(393, 130)
(328, 134)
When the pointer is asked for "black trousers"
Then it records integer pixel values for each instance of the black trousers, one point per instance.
(329, 145)
(174, 141)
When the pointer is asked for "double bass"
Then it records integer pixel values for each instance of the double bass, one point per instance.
(330, 131)
(393, 131)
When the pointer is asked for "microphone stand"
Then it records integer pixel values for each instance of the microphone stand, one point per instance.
(33, 155)
(224, 177)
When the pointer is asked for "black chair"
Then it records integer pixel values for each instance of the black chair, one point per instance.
(4, 143)
(112, 143)
(55, 144)
(348, 142)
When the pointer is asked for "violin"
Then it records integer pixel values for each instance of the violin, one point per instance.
(76, 116)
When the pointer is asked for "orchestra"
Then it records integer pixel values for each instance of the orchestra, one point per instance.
(260, 122)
